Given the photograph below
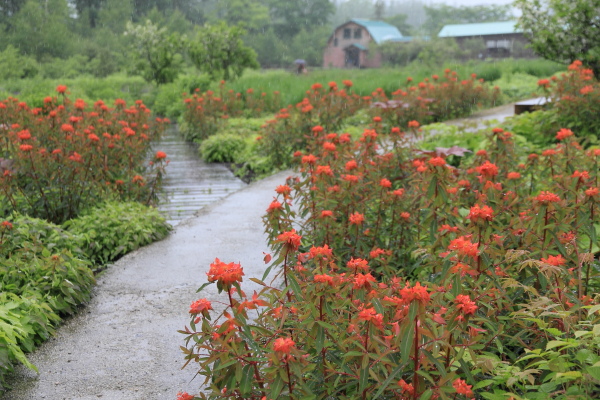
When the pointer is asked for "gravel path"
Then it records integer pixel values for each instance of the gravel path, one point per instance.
(124, 344)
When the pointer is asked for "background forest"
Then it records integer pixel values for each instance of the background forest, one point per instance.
(68, 38)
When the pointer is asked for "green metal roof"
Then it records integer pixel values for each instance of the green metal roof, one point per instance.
(481, 29)
(380, 31)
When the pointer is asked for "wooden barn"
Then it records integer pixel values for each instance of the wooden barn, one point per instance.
(496, 39)
(348, 45)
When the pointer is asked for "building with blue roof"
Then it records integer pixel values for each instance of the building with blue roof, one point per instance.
(348, 45)
(492, 39)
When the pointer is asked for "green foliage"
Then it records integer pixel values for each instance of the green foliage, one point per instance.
(401, 54)
(60, 279)
(30, 236)
(252, 15)
(113, 229)
(222, 147)
(563, 30)
(219, 51)
(13, 65)
(538, 127)
(439, 51)
(167, 98)
(291, 17)
(41, 29)
(517, 86)
(439, 15)
(156, 52)
(488, 71)
(24, 323)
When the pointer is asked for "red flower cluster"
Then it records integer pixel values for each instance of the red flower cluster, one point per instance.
(461, 387)
(283, 345)
(478, 213)
(465, 304)
(464, 247)
(546, 197)
(225, 274)
(200, 306)
(290, 239)
(487, 169)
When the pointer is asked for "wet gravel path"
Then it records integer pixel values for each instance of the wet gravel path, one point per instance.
(190, 183)
(125, 344)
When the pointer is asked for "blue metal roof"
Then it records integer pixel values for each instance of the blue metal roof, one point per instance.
(480, 29)
(380, 31)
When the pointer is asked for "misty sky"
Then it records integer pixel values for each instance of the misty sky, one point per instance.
(468, 2)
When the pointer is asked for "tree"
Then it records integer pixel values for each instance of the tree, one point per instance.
(252, 15)
(220, 52)
(156, 52)
(290, 17)
(8, 8)
(41, 28)
(399, 21)
(442, 14)
(563, 30)
(89, 9)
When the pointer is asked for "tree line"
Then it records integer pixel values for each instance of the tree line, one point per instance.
(64, 38)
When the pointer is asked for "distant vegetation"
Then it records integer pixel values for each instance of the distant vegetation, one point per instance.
(58, 39)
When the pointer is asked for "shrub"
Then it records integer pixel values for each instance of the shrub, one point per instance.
(28, 235)
(575, 97)
(222, 147)
(113, 229)
(412, 279)
(57, 278)
(24, 323)
(61, 157)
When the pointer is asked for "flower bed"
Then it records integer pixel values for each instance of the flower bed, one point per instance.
(413, 279)
(60, 158)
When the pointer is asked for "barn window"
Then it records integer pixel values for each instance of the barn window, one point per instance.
(335, 42)
(347, 33)
(357, 33)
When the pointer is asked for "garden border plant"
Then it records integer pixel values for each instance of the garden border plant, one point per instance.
(410, 278)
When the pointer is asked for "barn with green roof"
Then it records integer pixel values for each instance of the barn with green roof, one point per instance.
(348, 45)
(489, 39)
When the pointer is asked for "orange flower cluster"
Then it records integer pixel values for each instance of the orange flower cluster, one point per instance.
(284, 345)
(200, 306)
(546, 197)
(464, 247)
(465, 304)
(478, 213)
(291, 240)
(225, 274)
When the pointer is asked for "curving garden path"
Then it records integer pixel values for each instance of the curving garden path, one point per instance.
(125, 344)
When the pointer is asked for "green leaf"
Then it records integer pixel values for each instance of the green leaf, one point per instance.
(320, 342)
(391, 376)
(276, 388)
(436, 362)
(363, 379)
(247, 379)
(295, 287)
(408, 334)
(555, 343)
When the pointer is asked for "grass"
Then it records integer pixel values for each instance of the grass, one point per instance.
(166, 99)
(293, 87)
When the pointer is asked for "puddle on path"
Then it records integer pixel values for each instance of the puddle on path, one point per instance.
(190, 183)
